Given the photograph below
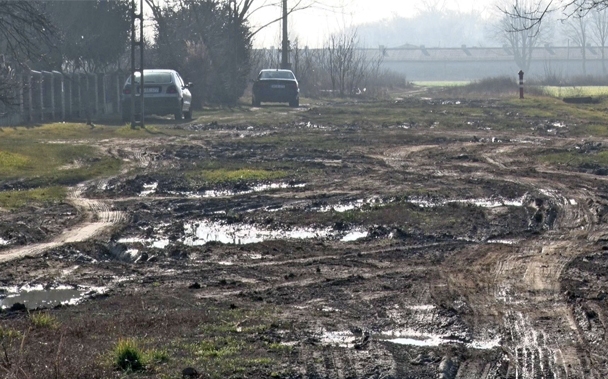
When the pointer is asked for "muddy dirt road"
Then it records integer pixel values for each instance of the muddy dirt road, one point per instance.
(427, 248)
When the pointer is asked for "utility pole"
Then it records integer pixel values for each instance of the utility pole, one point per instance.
(137, 18)
(285, 64)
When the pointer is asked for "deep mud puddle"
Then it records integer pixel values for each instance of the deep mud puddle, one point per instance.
(39, 296)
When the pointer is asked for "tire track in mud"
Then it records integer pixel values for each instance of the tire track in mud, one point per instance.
(521, 293)
(97, 217)
(542, 339)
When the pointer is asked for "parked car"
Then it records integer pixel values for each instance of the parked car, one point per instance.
(276, 86)
(164, 93)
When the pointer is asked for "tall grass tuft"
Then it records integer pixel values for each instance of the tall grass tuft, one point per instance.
(43, 320)
(127, 356)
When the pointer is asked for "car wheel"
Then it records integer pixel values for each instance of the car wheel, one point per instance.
(294, 103)
(179, 114)
(255, 102)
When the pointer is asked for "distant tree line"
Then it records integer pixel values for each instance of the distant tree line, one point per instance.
(210, 41)
(207, 41)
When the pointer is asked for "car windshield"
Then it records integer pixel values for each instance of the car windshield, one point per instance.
(276, 75)
(153, 78)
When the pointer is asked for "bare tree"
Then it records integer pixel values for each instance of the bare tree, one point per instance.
(577, 30)
(599, 31)
(244, 9)
(541, 9)
(24, 32)
(347, 64)
(520, 32)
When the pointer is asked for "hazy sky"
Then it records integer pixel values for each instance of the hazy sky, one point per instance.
(313, 26)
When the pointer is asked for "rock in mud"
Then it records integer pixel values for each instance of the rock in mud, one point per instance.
(448, 368)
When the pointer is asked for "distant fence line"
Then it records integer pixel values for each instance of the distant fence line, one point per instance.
(47, 96)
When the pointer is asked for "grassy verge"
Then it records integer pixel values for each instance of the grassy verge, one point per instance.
(576, 159)
(60, 154)
(16, 199)
(244, 174)
(575, 91)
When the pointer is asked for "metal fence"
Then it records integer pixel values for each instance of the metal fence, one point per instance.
(47, 96)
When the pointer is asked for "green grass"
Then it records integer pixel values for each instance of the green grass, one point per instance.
(7, 335)
(441, 83)
(594, 130)
(43, 320)
(279, 347)
(128, 356)
(576, 159)
(219, 347)
(63, 154)
(245, 174)
(11, 162)
(155, 356)
(17, 199)
(228, 342)
(574, 91)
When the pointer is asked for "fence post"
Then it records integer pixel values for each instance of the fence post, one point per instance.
(30, 102)
(96, 87)
(20, 94)
(87, 97)
(118, 92)
(69, 94)
(104, 107)
(79, 93)
(58, 89)
(521, 84)
(41, 85)
(49, 75)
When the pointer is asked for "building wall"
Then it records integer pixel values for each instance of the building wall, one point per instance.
(471, 70)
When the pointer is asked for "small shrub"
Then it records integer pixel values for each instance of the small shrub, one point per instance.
(43, 320)
(7, 336)
(127, 356)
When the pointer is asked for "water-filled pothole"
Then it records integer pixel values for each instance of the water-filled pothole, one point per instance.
(149, 189)
(39, 296)
(410, 338)
(202, 232)
(425, 339)
(483, 203)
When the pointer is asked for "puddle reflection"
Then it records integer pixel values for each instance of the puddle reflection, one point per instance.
(484, 203)
(38, 296)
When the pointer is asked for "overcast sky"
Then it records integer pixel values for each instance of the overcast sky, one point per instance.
(313, 26)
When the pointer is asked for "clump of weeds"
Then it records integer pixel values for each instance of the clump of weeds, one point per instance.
(43, 320)
(128, 356)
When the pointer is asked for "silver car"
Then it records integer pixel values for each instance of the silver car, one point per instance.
(164, 93)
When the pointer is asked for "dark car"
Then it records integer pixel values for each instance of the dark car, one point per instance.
(164, 93)
(276, 86)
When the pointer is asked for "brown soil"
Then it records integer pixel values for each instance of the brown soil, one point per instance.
(486, 262)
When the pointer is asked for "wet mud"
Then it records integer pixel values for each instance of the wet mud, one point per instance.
(390, 251)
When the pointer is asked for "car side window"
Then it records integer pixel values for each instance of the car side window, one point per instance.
(179, 80)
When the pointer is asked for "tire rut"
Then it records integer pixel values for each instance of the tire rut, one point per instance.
(97, 217)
